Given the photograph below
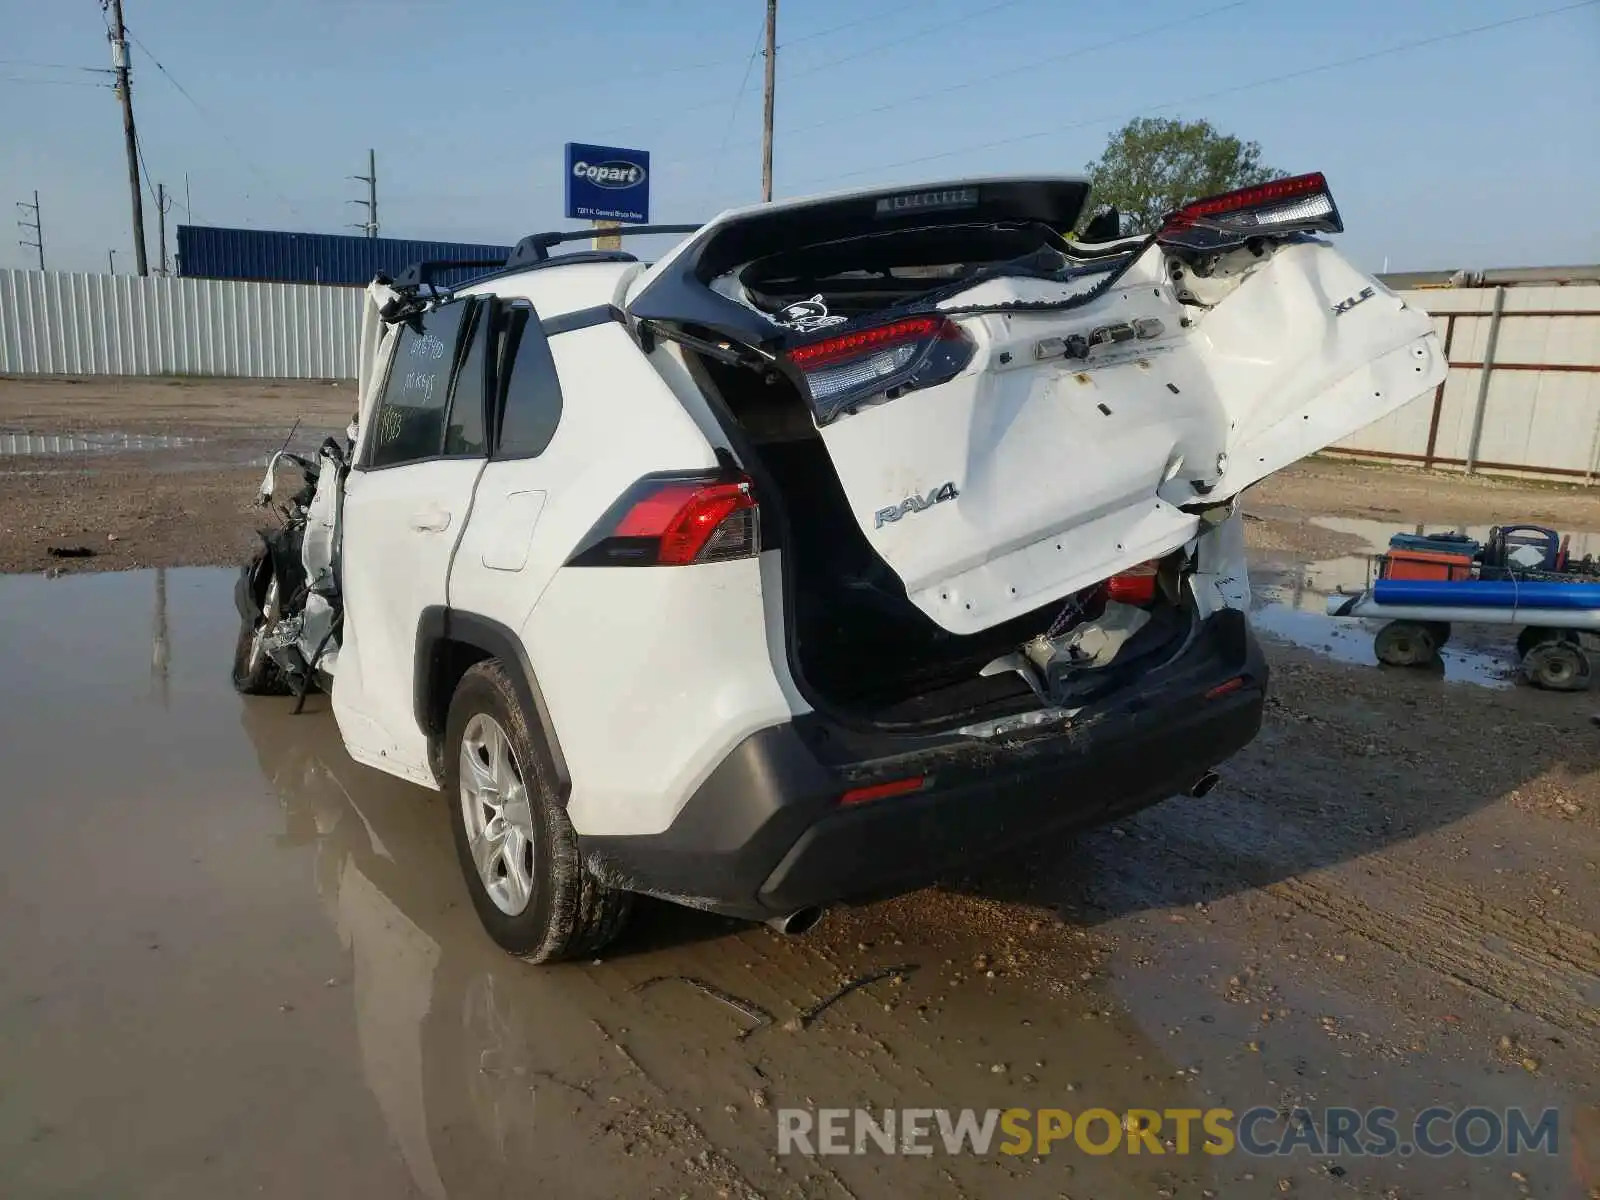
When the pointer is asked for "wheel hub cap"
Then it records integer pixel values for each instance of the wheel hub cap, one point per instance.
(496, 815)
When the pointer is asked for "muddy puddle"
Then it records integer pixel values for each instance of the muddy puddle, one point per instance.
(236, 962)
(36, 453)
(43, 445)
(1291, 604)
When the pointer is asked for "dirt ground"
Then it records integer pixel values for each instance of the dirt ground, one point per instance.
(67, 482)
(235, 961)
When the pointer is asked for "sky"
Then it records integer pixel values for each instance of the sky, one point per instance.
(1480, 150)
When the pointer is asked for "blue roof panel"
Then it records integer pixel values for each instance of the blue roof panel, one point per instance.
(209, 252)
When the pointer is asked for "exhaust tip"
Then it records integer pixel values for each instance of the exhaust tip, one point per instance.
(799, 921)
(1204, 784)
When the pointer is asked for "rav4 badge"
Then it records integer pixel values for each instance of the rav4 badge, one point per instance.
(915, 504)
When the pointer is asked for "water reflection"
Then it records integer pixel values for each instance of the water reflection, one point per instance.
(33, 445)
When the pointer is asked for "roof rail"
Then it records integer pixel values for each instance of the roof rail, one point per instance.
(535, 248)
(422, 274)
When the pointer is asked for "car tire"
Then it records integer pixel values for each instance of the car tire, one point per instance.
(517, 850)
(254, 672)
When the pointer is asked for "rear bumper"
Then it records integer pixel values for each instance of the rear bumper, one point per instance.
(765, 833)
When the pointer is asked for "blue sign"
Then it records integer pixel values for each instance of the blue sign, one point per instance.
(608, 183)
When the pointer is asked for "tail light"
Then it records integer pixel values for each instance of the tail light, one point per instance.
(1136, 585)
(842, 371)
(1300, 204)
(673, 521)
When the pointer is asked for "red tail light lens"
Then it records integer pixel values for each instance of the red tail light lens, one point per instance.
(1301, 203)
(1136, 586)
(843, 371)
(674, 522)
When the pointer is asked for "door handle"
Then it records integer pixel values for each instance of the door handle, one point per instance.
(432, 520)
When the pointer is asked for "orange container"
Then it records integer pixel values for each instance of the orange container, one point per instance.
(1425, 564)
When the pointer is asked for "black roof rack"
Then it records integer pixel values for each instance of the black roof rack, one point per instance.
(532, 251)
(422, 274)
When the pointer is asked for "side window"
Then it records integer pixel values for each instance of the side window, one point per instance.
(409, 422)
(463, 435)
(529, 390)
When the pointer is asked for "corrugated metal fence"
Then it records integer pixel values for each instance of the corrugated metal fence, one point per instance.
(65, 323)
(1523, 392)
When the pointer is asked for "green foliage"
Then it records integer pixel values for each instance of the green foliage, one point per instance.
(1153, 165)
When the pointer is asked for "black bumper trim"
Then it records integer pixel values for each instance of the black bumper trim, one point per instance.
(765, 834)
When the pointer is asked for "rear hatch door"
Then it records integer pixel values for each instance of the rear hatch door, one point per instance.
(1012, 423)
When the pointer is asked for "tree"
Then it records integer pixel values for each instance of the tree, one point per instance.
(1153, 165)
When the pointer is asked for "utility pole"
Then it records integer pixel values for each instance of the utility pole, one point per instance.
(371, 202)
(163, 207)
(111, 257)
(119, 62)
(772, 86)
(38, 230)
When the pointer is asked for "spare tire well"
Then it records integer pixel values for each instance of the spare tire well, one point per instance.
(449, 644)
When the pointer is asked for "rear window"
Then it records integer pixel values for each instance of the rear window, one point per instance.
(410, 420)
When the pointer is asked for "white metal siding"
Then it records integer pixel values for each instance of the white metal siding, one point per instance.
(61, 323)
(1542, 422)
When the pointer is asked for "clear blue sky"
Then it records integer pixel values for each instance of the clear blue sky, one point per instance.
(1479, 151)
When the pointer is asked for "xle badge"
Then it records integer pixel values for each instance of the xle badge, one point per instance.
(1350, 302)
(914, 504)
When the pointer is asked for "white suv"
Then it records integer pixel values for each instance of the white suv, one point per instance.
(856, 539)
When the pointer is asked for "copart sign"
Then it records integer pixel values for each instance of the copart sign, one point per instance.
(608, 183)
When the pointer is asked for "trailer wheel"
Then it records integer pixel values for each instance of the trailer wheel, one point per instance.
(1406, 644)
(1441, 633)
(1538, 635)
(1557, 666)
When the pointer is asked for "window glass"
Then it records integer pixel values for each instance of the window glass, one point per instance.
(463, 434)
(530, 392)
(409, 421)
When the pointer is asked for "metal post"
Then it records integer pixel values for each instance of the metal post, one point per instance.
(34, 226)
(371, 202)
(606, 236)
(119, 63)
(772, 85)
(161, 225)
(1483, 379)
(111, 257)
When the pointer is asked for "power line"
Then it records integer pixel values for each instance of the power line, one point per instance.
(217, 126)
(53, 82)
(833, 29)
(856, 115)
(733, 111)
(679, 111)
(910, 37)
(22, 62)
(1227, 91)
(1011, 71)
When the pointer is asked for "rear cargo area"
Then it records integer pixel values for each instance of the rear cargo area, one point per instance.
(857, 641)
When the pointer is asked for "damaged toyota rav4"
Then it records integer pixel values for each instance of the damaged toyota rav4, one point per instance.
(854, 540)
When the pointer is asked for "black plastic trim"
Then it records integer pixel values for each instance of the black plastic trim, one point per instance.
(765, 832)
(439, 624)
(583, 318)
